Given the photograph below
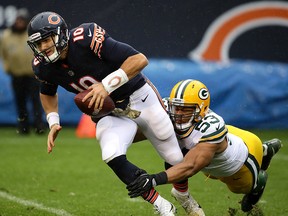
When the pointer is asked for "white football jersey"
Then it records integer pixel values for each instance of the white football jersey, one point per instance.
(212, 129)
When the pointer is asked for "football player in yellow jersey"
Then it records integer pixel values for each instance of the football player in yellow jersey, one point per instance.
(234, 156)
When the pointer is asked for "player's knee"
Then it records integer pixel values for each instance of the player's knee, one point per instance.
(109, 141)
(174, 158)
(109, 153)
(102, 125)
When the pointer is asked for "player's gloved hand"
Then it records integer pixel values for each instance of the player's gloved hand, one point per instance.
(145, 183)
(142, 184)
(140, 172)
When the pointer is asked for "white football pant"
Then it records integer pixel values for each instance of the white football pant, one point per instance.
(116, 134)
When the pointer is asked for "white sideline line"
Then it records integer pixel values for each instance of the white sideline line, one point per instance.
(39, 206)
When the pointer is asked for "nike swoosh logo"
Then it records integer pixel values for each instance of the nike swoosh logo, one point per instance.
(147, 180)
(89, 34)
(171, 209)
(143, 100)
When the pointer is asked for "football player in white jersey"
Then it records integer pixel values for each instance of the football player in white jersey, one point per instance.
(234, 156)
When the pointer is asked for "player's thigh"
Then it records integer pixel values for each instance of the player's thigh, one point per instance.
(115, 135)
(158, 129)
(241, 182)
(252, 141)
(155, 124)
(153, 119)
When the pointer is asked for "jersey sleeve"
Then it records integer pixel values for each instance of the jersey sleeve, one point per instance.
(48, 89)
(97, 35)
(116, 51)
(107, 48)
(101, 44)
(45, 87)
(90, 36)
(212, 129)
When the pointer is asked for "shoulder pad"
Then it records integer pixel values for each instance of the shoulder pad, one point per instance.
(90, 35)
(212, 128)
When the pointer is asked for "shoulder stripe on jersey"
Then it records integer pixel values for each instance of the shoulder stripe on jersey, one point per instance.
(97, 40)
(220, 130)
(215, 136)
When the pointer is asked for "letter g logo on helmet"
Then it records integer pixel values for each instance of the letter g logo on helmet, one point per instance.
(203, 93)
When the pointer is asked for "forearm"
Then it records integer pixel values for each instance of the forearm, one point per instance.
(129, 69)
(49, 103)
(194, 161)
(134, 64)
(181, 172)
(189, 167)
(175, 174)
(50, 106)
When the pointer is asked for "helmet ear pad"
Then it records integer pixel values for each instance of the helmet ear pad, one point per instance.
(48, 24)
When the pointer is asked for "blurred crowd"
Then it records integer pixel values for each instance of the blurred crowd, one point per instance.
(17, 58)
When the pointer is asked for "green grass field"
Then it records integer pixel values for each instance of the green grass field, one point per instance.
(73, 180)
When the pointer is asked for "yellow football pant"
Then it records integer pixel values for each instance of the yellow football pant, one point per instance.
(246, 178)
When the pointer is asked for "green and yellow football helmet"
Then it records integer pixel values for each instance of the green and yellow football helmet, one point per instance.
(188, 103)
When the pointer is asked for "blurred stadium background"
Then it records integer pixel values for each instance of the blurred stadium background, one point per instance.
(237, 48)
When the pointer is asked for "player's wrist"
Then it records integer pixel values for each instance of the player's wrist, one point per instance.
(115, 80)
(160, 178)
(53, 119)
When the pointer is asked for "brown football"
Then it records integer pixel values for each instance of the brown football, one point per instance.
(108, 105)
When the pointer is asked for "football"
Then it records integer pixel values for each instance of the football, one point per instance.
(108, 105)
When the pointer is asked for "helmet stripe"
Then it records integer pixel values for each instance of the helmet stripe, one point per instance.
(181, 88)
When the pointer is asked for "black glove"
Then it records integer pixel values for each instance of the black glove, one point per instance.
(145, 183)
(142, 184)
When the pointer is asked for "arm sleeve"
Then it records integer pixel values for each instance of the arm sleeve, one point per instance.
(48, 89)
(45, 87)
(116, 51)
(105, 47)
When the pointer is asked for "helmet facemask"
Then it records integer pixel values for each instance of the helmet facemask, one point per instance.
(183, 115)
(60, 42)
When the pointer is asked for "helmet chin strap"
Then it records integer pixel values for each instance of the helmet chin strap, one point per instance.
(53, 57)
(185, 126)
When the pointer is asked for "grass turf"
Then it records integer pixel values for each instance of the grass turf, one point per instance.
(73, 180)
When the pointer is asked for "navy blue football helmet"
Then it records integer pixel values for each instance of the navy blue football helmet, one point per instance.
(42, 26)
